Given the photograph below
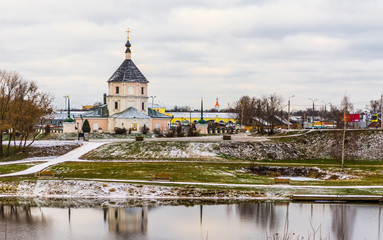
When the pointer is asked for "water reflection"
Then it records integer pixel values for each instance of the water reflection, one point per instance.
(14, 218)
(232, 221)
(343, 220)
(127, 221)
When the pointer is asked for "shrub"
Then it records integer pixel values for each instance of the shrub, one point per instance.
(170, 133)
(86, 126)
(118, 130)
(192, 132)
(157, 132)
(179, 131)
(144, 129)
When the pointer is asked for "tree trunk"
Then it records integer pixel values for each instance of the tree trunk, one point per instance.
(32, 141)
(9, 143)
(1, 142)
(14, 143)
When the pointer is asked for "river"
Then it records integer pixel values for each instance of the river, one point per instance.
(246, 220)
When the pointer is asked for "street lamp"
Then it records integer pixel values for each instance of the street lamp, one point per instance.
(381, 111)
(153, 97)
(324, 115)
(288, 113)
(312, 117)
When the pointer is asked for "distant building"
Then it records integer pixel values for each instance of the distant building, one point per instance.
(87, 107)
(193, 117)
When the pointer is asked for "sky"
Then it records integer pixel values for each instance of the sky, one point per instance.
(318, 49)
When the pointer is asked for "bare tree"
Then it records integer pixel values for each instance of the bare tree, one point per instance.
(273, 109)
(245, 109)
(22, 107)
(346, 105)
(336, 115)
(374, 106)
(181, 109)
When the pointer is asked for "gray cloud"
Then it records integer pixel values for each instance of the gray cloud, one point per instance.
(188, 49)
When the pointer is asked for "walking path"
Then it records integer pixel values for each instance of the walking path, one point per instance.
(70, 156)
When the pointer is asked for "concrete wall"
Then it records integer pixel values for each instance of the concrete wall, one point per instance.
(93, 122)
(163, 123)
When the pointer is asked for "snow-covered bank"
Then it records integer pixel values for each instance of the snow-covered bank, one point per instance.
(114, 189)
(360, 145)
(117, 190)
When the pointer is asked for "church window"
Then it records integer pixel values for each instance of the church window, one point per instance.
(130, 90)
(142, 90)
(117, 90)
(143, 106)
(115, 105)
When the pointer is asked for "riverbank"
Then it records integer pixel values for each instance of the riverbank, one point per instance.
(156, 192)
(202, 169)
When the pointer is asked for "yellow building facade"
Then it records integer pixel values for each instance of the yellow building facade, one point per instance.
(193, 117)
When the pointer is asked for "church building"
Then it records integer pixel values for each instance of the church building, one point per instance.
(126, 104)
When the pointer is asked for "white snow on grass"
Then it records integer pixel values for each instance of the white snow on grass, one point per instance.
(123, 189)
(46, 143)
(70, 156)
(172, 150)
(300, 178)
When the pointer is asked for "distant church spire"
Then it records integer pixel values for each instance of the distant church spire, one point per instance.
(128, 53)
(216, 105)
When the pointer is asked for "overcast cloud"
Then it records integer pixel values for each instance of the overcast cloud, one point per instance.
(222, 49)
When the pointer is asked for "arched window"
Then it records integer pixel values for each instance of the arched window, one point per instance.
(143, 106)
(117, 90)
(142, 90)
(115, 105)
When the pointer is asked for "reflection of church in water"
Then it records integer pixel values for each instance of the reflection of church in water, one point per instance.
(129, 221)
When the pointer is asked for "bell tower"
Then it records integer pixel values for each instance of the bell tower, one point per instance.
(127, 87)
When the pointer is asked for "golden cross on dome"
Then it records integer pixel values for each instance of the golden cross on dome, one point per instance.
(128, 31)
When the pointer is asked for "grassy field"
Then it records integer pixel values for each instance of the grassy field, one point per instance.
(14, 156)
(207, 172)
(14, 168)
(180, 172)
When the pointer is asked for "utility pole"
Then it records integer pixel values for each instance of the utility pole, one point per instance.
(344, 136)
(381, 111)
(288, 113)
(312, 117)
(241, 115)
(66, 101)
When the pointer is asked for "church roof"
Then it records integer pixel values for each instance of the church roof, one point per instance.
(130, 113)
(154, 114)
(128, 72)
(101, 111)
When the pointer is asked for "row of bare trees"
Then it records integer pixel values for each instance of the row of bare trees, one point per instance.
(263, 113)
(267, 112)
(22, 108)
